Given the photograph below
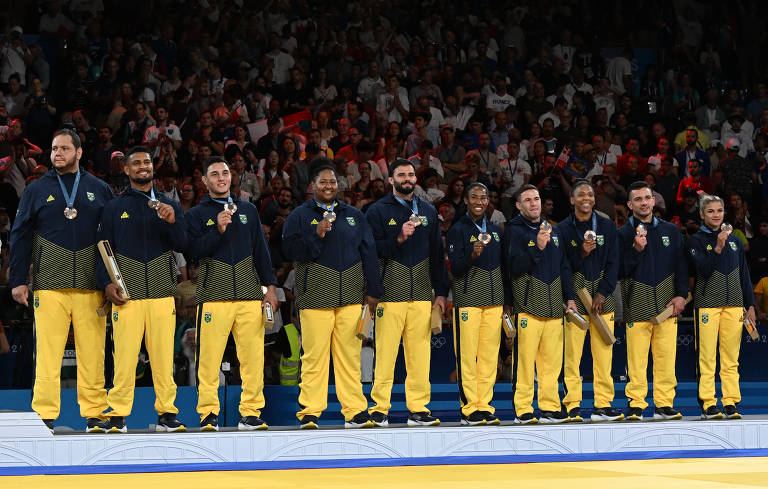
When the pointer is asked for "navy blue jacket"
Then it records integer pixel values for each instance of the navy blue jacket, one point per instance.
(541, 280)
(412, 268)
(599, 271)
(652, 277)
(337, 270)
(479, 282)
(721, 280)
(143, 244)
(233, 265)
(62, 250)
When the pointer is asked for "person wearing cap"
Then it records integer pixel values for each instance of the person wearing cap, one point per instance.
(55, 230)
(654, 275)
(480, 291)
(696, 182)
(337, 271)
(735, 174)
(13, 53)
(413, 265)
(592, 248)
(722, 294)
(235, 265)
(741, 130)
(693, 150)
(144, 228)
(542, 286)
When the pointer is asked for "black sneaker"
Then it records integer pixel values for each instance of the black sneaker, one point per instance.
(117, 425)
(634, 414)
(475, 418)
(607, 414)
(308, 422)
(422, 419)
(731, 412)
(167, 423)
(360, 420)
(574, 415)
(251, 423)
(379, 419)
(48, 424)
(666, 413)
(526, 418)
(711, 413)
(553, 417)
(210, 423)
(96, 425)
(490, 419)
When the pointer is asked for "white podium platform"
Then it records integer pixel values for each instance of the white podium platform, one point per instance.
(26, 443)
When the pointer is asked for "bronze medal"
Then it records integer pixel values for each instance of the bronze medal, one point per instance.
(70, 213)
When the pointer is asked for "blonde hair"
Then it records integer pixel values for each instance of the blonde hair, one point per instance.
(706, 199)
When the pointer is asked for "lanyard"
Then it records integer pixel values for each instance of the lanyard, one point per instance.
(526, 221)
(414, 208)
(706, 229)
(517, 162)
(328, 207)
(70, 198)
(594, 223)
(229, 199)
(479, 228)
(151, 195)
(485, 160)
(653, 223)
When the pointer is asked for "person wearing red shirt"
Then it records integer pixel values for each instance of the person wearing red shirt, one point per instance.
(633, 150)
(696, 182)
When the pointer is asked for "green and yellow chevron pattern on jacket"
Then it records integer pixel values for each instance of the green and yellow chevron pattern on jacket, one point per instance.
(580, 282)
(320, 287)
(479, 288)
(719, 290)
(533, 296)
(59, 268)
(642, 301)
(402, 283)
(219, 281)
(152, 280)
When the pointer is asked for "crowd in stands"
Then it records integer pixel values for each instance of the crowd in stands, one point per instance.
(504, 93)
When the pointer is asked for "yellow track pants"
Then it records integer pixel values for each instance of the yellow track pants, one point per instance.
(661, 339)
(539, 347)
(215, 320)
(155, 321)
(326, 332)
(54, 311)
(723, 325)
(476, 339)
(602, 359)
(408, 321)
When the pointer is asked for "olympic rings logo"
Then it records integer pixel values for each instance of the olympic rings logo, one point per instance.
(438, 342)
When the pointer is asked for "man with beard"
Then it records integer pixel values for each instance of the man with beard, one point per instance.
(229, 242)
(410, 247)
(56, 223)
(144, 228)
(654, 275)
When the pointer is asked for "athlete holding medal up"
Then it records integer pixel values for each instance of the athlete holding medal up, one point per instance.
(143, 229)
(479, 291)
(234, 265)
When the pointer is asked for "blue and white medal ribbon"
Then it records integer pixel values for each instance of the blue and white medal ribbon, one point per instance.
(70, 212)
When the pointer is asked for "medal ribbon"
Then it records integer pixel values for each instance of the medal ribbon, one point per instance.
(414, 208)
(69, 198)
